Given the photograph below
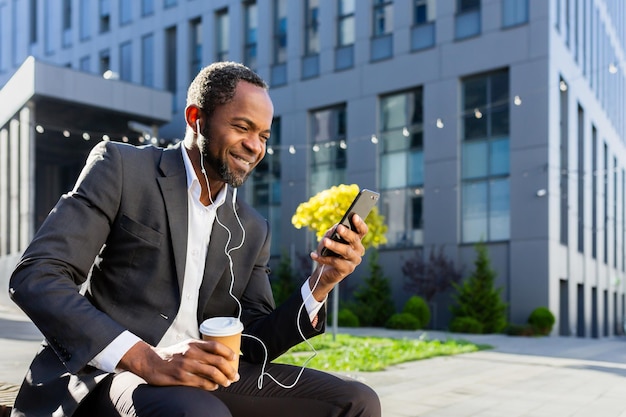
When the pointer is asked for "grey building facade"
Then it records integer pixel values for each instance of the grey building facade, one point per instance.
(500, 121)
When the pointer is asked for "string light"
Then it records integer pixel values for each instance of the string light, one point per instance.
(439, 123)
(405, 132)
(517, 101)
(270, 150)
(292, 149)
(86, 136)
(562, 85)
(39, 129)
(612, 68)
(478, 114)
(374, 139)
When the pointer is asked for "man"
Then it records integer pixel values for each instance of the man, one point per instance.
(157, 242)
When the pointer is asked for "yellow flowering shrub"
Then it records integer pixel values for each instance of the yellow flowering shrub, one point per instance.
(326, 208)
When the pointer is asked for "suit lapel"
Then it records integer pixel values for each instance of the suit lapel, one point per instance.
(173, 186)
(216, 260)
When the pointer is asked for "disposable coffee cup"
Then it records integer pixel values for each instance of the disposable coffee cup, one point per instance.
(225, 330)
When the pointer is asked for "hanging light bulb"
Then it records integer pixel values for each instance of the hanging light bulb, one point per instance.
(439, 123)
(405, 132)
(292, 149)
(39, 129)
(316, 148)
(478, 114)
(86, 136)
(374, 139)
(517, 101)
(66, 133)
(106, 138)
(612, 68)
(343, 144)
(270, 150)
(563, 86)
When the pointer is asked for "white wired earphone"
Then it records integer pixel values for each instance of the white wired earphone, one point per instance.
(227, 252)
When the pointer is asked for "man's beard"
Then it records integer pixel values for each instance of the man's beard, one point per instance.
(219, 165)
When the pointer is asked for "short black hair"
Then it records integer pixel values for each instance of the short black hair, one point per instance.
(215, 84)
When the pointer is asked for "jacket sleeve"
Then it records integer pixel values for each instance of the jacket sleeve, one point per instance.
(278, 328)
(46, 282)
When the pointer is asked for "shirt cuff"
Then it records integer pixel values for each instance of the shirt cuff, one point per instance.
(310, 303)
(111, 355)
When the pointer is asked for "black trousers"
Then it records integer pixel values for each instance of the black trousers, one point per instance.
(316, 394)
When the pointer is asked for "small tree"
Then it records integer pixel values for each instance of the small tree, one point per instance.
(428, 278)
(477, 298)
(372, 300)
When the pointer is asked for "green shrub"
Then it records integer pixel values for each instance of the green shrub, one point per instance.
(346, 318)
(403, 321)
(418, 307)
(519, 330)
(373, 303)
(466, 325)
(542, 320)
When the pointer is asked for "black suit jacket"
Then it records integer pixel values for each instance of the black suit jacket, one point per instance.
(121, 234)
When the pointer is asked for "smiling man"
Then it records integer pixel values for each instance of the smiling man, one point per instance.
(150, 243)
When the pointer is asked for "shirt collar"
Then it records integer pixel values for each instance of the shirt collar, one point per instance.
(192, 179)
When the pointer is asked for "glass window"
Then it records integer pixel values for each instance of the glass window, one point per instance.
(147, 7)
(67, 23)
(424, 11)
(383, 17)
(402, 166)
(169, 3)
(196, 47)
(328, 150)
(105, 16)
(125, 12)
(467, 5)
(467, 19)
(223, 35)
(485, 165)
(311, 39)
(85, 21)
(170, 65)
(514, 12)
(345, 23)
(85, 64)
(147, 60)
(32, 35)
(126, 56)
(250, 25)
(280, 31)
(104, 61)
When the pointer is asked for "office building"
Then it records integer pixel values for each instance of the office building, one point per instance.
(497, 121)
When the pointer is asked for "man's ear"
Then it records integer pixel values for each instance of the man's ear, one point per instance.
(191, 116)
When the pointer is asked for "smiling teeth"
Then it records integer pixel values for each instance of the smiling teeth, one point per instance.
(243, 160)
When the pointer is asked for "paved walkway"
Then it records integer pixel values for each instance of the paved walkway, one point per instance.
(520, 377)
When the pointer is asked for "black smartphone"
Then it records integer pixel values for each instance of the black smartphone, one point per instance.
(361, 205)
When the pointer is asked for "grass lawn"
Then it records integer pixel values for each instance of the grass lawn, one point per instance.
(355, 353)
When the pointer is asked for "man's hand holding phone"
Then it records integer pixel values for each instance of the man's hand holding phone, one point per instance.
(341, 250)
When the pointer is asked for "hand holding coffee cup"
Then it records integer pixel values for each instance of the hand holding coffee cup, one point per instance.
(225, 330)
